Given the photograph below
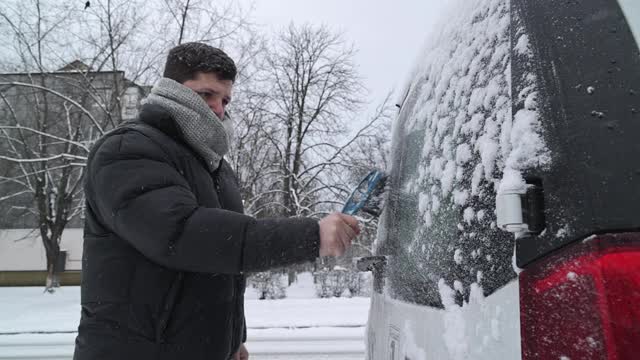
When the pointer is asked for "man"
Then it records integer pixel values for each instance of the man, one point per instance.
(166, 244)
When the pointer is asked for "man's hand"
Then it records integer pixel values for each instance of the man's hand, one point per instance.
(336, 232)
(241, 354)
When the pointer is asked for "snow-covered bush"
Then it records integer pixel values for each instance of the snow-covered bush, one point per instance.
(269, 285)
(354, 283)
(331, 282)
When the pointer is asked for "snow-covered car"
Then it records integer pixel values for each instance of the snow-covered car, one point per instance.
(511, 221)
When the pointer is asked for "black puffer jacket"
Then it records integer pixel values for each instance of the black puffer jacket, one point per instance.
(166, 246)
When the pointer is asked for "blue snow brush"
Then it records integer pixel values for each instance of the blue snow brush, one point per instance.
(366, 196)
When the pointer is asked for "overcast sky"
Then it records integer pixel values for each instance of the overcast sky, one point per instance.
(388, 34)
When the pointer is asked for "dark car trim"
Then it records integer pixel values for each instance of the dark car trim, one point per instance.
(588, 67)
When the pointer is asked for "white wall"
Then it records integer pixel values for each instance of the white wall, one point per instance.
(22, 250)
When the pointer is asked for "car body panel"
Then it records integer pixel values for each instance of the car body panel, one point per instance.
(481, 329)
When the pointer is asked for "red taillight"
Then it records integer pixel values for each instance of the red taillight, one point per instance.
(583, 302)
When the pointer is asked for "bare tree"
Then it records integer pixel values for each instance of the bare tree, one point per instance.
(198, 20)
(370, 152)
(50, 118)
(46, 154)
(252, 161)
(295, 102)
(296, 137)
(51, 115)
(297, 152)
(48, 165)
(313, 93)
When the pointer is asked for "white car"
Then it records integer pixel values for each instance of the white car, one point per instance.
(511, 226)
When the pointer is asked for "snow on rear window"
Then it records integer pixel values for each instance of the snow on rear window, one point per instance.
(463, 107)
(465, 104)
(458, 113)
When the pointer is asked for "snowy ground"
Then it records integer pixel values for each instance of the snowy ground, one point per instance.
(34, 325)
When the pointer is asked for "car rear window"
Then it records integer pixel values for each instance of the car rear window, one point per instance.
(452, 140)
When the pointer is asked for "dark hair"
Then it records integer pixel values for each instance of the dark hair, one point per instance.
(185, 60)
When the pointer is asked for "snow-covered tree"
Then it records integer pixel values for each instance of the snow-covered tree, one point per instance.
(52, 110)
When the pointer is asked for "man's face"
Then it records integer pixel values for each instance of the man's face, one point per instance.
(215, 92)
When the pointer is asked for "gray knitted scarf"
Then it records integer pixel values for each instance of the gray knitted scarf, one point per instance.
(201, 127)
